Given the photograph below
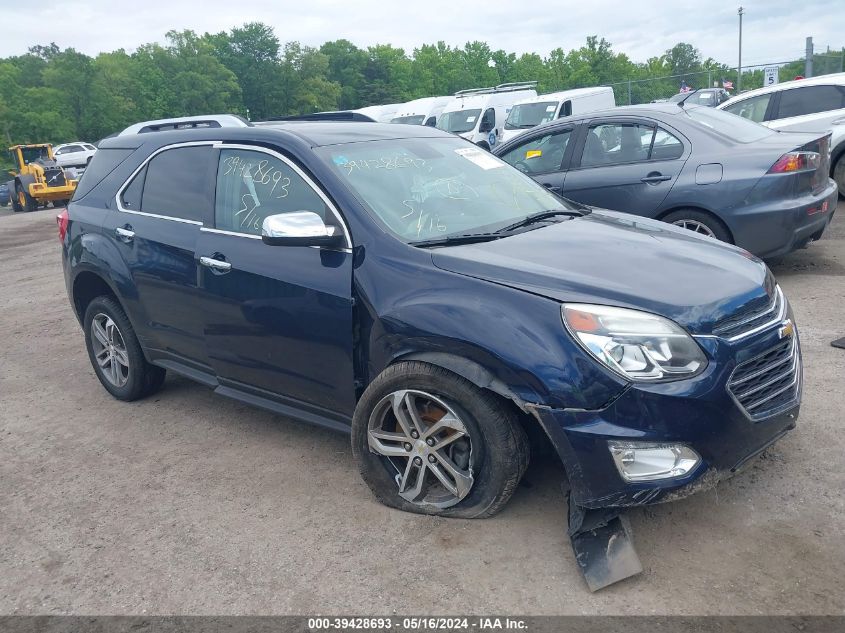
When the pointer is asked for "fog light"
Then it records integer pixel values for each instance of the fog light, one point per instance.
(642, 461)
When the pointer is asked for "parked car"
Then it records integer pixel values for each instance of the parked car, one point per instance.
(478, 115)
(708, 97)
(815, 105)
(694, 167)
(4, 195)
(376, 280)
(530, 113)
(76, 154)
(420, 111)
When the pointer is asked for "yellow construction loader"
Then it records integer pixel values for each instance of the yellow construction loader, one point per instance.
(37, 179)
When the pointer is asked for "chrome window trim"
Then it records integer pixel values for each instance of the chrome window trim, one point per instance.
(301, 174)
(123, 187)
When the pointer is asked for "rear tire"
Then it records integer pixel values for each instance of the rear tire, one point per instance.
(699, 222)
(839, 175)
(115, 353)
(483, 442)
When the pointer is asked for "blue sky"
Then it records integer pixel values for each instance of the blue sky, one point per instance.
(773, 30)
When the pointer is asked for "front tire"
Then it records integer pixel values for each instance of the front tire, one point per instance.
(115, 353)
(24, 201)
(699, 222)
(430, 442)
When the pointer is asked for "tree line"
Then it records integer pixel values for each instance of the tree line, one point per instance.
(55, 95)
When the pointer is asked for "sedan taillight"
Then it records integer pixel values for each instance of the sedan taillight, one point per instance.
(795, 162)
(62, 221)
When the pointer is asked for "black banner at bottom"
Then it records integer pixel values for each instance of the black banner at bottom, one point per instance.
(407, 624)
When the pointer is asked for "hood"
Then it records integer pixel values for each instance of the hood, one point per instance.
(622, 260)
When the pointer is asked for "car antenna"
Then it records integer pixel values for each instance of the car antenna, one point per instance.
(689, 94)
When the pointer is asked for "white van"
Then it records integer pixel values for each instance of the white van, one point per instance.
(421, 111)
(532, 112)
(479, 115)
(380, 113)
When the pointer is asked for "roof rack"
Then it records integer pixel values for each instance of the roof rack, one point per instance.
(186, 123)
(508, 87)
(341, 115)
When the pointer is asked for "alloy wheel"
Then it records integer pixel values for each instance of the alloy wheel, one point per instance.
(110, 349)
(426, 443)
(695, 226)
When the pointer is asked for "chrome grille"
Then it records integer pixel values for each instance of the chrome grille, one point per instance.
(753, 319)
(770, 382)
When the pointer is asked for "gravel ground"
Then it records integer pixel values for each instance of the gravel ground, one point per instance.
(189, 503)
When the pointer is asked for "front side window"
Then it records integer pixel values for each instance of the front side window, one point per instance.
(810, 100)
(528, 115)
(178, 183)
(459, 121)
(615, 143)
(753, 108)
(488, 121)
(252, 185)
(540, 155)
(430, 188)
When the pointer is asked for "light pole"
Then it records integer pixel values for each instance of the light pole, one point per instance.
(739, 64)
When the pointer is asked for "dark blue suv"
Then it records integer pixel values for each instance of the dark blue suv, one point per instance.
(399, 284)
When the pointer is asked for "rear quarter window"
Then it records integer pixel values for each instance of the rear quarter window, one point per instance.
(104, 162)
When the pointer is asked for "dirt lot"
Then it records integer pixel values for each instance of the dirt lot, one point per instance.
(192, 503)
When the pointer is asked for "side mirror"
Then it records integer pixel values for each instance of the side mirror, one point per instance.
(299, 228)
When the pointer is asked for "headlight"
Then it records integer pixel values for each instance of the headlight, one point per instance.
(638, 345)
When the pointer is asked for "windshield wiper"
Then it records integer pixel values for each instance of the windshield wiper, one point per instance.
(539, 217)
(466, 238)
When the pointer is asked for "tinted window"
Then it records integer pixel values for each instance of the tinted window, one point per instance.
(252, 185)
(488, 121)
(431, 122)
(809, 100)
(179, 183)
(753, 108)
(540, 155)
(733, 127)
(566, 110)
(131, 196)
(615, 143)
(101, 165)
(459, 121)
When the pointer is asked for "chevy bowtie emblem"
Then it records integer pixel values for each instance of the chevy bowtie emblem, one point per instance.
(787, 329)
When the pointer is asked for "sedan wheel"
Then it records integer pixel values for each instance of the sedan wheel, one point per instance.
(427, 444)
(110, 350)
(694, 225)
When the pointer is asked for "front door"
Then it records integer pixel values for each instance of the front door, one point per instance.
(543, 156)
(277, 319)
(626, 166)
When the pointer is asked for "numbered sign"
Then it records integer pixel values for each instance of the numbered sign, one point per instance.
(770, 75)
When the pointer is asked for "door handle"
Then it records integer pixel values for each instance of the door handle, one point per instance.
(216, 264)
(654, 178)
(124, 234)
(550, 186)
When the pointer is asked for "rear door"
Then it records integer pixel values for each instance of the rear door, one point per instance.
(155, 229)
(626, 165)
(808, 108)
(277, 319)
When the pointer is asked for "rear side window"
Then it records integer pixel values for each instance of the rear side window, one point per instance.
(102, 164)
(753, 108)
(809, 100)
(252, 185)
(666, 146)
(616, 143)
(179, 183)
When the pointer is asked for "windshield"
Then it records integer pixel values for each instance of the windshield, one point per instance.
(729, 125)
(527, 115)
(413, 119)
(31, 154)
(459, 121)
(431, 188)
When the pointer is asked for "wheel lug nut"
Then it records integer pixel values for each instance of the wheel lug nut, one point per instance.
(430, 441)
(432, 459)
(408, 446)
(418, 461)
(414, 434)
